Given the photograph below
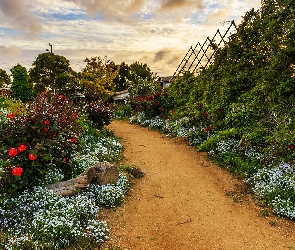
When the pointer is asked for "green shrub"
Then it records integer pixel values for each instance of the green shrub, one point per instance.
(20, 87)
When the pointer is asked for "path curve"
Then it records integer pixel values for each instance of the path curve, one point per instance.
(186, 202)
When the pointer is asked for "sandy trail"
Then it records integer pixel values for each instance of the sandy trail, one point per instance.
(187, 202)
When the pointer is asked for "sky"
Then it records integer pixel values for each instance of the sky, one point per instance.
(156, 32)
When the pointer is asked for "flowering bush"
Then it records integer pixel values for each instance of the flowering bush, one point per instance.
(37, 141)
(152, 105)
(99, 113)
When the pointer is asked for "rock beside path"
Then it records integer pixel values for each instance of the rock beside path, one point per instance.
(101, 173)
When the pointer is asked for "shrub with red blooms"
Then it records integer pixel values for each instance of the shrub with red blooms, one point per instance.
(153, 105)
(99, 113)
(38, 141)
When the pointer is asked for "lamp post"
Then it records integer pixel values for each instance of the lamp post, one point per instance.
(50, 48)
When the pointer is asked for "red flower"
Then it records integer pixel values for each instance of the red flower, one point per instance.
(13, 152)
(64, 160)
(17, 171)
(46, 122)
(22, 148)
(292, 146)
(73, 140)
(205, 114)
(11, 116)
(208, 129)
(32, 157)
(46, 130)
(200, 106)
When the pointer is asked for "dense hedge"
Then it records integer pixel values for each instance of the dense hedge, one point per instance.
(251, 81)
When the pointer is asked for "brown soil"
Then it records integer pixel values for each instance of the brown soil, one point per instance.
(186, 202)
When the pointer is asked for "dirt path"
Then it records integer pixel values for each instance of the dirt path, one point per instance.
(186, 202)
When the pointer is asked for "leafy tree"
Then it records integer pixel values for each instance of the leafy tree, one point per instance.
(4, 78)
(53, 72)
(20, 87)
(120, 80)
(97, 78)
(142, 70)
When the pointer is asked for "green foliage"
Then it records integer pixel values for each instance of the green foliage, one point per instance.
(53, 73)
(180, 90)
(141, 87)
(211, 142)
(4, 78)
(10, 105)
(122, 111)
(122, 76)
(39, 141)
(141, 70)
(97, 78)
(20, 88)
(131, 73)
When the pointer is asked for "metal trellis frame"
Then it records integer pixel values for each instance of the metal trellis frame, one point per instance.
(202, 55)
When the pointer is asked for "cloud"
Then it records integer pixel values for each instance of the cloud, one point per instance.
(10, 51)
(111, 9)
(165, 61)
(171, 5)
(20, 17)
(159, 55)
(167, 55)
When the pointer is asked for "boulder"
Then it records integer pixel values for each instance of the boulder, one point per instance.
(101, 173)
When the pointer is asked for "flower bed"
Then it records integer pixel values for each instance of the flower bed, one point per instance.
(48, 141)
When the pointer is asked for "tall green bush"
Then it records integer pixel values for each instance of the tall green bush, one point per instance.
(20, 87)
